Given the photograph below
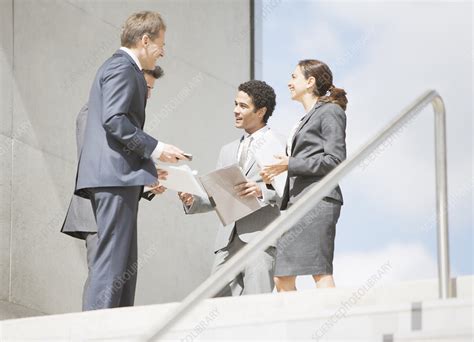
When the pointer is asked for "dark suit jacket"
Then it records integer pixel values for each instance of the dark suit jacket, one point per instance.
(80, 220)
(116, 152)
(319, 145)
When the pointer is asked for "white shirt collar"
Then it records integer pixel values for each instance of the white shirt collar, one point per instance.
(131, 54)
(256, 134)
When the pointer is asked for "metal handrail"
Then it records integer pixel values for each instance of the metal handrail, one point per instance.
(309, 200)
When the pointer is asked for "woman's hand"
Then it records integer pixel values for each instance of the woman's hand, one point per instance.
(271, 171)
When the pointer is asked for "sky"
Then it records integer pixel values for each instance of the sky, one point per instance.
(385, 55)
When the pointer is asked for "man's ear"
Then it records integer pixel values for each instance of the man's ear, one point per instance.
(145, 40)
(261, 112)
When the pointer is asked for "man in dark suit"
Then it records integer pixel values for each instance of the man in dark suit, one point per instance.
(80, 222)
(118, 158)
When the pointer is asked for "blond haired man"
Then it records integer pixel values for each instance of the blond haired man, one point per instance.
(118, 158)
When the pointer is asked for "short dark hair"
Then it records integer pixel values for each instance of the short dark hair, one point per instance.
(262, 96)
(156, 73)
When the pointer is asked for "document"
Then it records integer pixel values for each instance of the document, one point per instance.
(265, 151)
(181, 178)
(219, 186)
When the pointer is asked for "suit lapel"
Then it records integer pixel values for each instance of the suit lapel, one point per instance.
(304, 122)
(234, 152)
(250, 164)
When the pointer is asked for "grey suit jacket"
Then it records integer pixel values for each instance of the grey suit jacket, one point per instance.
(116, 151)
(80, 218)
(319, 145)
(249, 226)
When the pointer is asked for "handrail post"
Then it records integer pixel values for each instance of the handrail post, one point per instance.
(445, 288)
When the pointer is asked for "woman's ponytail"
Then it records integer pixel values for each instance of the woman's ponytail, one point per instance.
(337, 96)
(323, 76)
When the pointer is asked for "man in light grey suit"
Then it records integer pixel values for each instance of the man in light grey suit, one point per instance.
(118, 158)
(80, 221)
(254, 104)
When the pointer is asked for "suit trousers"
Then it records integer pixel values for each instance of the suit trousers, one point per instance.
(257, 275)
(112, 253)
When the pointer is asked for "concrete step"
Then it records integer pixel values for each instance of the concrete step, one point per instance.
(332, 314)
(435, 336)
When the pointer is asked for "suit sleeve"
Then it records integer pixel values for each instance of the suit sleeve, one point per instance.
(269, 195)
(203, 204)
(333, 130)
(148, 195)
(118, 90)
(81, 121)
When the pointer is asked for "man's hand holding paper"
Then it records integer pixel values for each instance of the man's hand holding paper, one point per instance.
(156, 188)
(187, 199)
(167, 153)
(248, 189)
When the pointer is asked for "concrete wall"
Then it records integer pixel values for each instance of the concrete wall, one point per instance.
(6, 65)
(58, 46)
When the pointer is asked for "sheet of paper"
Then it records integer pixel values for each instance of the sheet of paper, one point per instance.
(264, 151)
(181, 178)
(219, 186)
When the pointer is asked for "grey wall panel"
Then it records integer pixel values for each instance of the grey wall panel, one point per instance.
(6, 64)
(5, 217)
(206, 58)
(6, 109)
(48, 268)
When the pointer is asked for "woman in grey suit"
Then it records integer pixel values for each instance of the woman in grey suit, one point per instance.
(315, 147)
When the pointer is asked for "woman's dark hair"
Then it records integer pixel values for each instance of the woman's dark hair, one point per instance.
(262, 95)
(156, 73)
(323, 76)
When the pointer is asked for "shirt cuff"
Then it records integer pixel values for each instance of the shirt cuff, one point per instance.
(156, 154)
(261, 186)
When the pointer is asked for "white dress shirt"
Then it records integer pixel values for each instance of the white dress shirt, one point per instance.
(289, 143)
(131, 54)
(255, 136)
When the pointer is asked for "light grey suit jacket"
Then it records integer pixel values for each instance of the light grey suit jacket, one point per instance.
(319, 145)
(80, 218)
(251, 225)
(116, 151)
